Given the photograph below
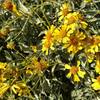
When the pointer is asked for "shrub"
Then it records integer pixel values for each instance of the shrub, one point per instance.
(49, 49)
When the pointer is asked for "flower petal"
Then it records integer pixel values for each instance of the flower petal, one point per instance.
(68, 75)
(81, 74)
(67, 66)
(76, 78)
(96, 86)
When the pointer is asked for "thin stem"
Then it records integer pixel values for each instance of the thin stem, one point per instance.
(45, 15)
(22, 28)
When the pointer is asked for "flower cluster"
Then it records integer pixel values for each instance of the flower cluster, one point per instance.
(9, 5)
(10, 76)
(72, 35)
(36, 66)
(68, 34)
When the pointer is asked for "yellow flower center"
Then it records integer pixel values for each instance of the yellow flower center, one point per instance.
(74, 40)
(97, 40)
(98, 79)
(48, 36)
(47, 44)
(91, 41)
(8, 5)
(74, 70)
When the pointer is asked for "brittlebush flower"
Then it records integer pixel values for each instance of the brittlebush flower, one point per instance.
(3, 88)
(20, 88)
(73, 43)
(36, 67)
(77, 18)
(96, 83)
(3, 65)
(89, 56)
(60, 33)
(2, 71)
(63, 31)
(2, 76)
(4, 31)
(92, 44)
(39, 66)
(75, 72)
(47, 41)
(72, 18)
(9, 5)
(65, 9)
(11, 45)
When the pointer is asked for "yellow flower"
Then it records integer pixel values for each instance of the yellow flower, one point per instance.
(4, 31)
(11, 45)
(3, 88)
(15, 10)
(71, 28)
(63, 31)
(3, 65)
(92, 44)
(47, 42)
(96, 83)
(2, 71)
(40, 65)
(89, 56)
(73, 43)
(2, 77)
(36, 66)
(74, 72)
(77, 18)
(65, 9)
(9, 5)
(72, 18)
(60, 33)
(83, 24)
(20, 88)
